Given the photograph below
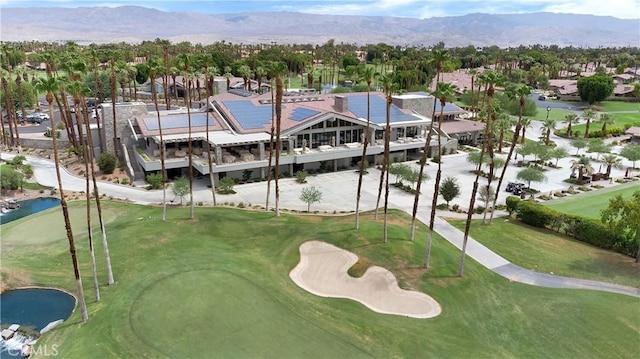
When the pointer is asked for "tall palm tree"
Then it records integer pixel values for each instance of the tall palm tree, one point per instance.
(438, 59)
(492, 79)
(112, 81)
(155, 67)
(367, 75)
(606, 119)
(10, 111)
(444, 92)
(95, 64)
(272, 69)
(589, 115)
(49, 86)
(548, 125)
(278, 109)
(210, 73)
(188, 78)
(77, 89)
(522, 92)
(571, 119)
(389, 86)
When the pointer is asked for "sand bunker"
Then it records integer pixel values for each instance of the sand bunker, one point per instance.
(323, 271)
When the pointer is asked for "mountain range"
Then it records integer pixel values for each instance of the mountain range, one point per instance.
(133, 24)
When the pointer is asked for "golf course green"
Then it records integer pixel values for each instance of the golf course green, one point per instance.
(219, 286)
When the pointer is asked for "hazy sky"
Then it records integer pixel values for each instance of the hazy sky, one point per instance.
(625, 9)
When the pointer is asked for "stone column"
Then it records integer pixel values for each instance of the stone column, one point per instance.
(218, 157)
(261, 149)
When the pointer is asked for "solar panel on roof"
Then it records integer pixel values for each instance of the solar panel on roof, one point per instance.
(301, 113)
(179, 121)
(378, 113)
(248, 115)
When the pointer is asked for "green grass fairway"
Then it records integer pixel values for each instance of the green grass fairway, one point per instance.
(555, 113)
(621, 119)
(219, 286)
(610, 106)
(590, 204)
(547, 252)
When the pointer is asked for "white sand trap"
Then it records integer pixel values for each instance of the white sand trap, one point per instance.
(323, 271)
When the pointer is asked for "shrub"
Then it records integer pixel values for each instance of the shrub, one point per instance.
(155, 180)
(442, 206)
(241, 205)
(455, 207)
(512, 204)
(534, 214)
(301, 176)
(480, 209)
(107, 162)
(225, 186)
(124, 181)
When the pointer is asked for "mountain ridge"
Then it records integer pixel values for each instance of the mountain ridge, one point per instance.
(135, 24)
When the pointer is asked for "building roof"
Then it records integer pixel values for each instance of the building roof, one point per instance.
(460, 126)
(633, 131)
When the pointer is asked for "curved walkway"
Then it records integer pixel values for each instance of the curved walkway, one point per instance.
(44, 172)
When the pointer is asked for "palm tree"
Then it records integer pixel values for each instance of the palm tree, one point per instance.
(49, 86)
(444, 91)
(112, 80)
(278, 109)
(570, 119)
(606, 119)
(583, 166)
(228, 75)
(492, 79)
(77, 89)
(548, 125)
(525, 122)
(388, 84)
(210, 74)
(588, 115)
(188, 80)
(503, 125)
(522, 92)
(367, 75)
(10, 112)
(438, 59)
(154, 67)
(611, 160)
(96, 62)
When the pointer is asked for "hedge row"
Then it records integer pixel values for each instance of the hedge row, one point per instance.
(586, 230)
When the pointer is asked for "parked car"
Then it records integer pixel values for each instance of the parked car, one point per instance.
(513, 187)
(541, 98)
(34, 118)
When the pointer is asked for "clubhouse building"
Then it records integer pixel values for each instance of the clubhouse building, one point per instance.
(317, 131)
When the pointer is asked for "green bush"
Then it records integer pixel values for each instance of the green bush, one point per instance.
(512, 204)
(155, 180)
(225, 186)
(107, 162)
(534, 214)
(615, 131)
(301, 176)
(442, 206)
(480, 209)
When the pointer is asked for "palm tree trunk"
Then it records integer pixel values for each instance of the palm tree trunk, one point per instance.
(279, 92)
(113, 107)
(84, 316)
(380, 184)
(364, 158)
(271, 134)
(209, 154)
(387, 149)
(96, 194)
(190, 146)
(163, 170)
(85, 156)
(416, 199)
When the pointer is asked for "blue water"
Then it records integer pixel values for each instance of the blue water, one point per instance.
(34, 308)
(28, 207)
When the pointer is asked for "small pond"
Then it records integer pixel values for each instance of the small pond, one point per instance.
(28, 207)
(34, 309)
